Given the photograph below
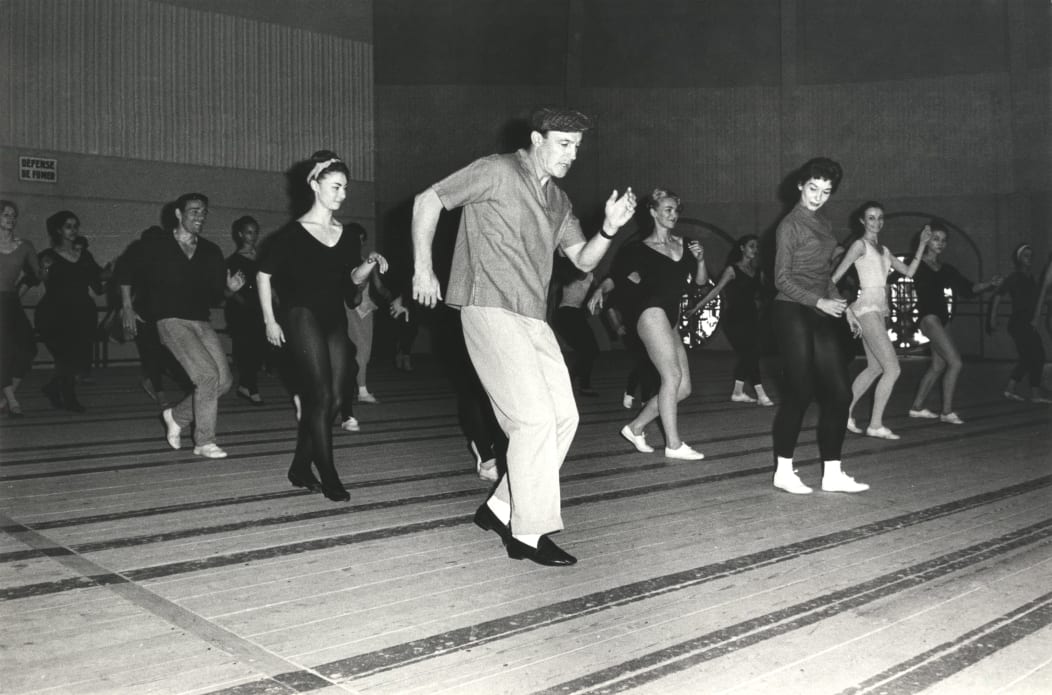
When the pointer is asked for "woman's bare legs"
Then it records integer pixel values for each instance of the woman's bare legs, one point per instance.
(670, 358)
(881, 361)
(945, 362)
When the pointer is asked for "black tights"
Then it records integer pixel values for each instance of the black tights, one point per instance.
(318, 353)
(745, 339)
(1031, 353)
(571, 323)
(474, 410)
(813, 366)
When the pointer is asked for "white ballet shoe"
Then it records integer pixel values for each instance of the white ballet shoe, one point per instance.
(639, 441)
(683, 453)
(852, 427)
(924, 414)
(881, 433)
(951, 418)
(742, 398)
(790, 482)
(842, 482)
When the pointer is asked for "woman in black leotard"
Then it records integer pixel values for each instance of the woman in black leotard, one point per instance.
(740, 316)
(660, 267)
(311, 261)
(66, 316)
(930, 283)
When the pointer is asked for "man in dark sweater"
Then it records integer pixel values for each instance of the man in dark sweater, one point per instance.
(183, 276)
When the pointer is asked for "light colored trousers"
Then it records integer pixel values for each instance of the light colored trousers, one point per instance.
(522, 369)
(196, 347)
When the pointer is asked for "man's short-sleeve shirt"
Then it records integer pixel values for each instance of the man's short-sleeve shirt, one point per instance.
(509, 230)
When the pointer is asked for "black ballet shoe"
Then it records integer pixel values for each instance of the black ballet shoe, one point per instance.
(74, 406)
(336, 493)
(53, 393)
(307, 481)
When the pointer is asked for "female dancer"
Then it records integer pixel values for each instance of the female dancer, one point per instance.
(659, 265)
(804, 311)
(66, 316)
(740, 318)
(244, 318)
(932, 279)
(311, 260)
(866, 315)
(1023, 290)
(17, 344)
(360, 322)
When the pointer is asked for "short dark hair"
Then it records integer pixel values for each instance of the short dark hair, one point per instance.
(4, 204)
(55, 222)
(237, 229)
(181, 201)
(820, 168)
(559, 118)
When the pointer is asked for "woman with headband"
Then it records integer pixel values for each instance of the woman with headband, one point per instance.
(310, 261)
(930, 283)
(1022, 288)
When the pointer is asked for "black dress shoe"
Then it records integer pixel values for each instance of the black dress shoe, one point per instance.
(336, 493)
(307, 481)
(546, 553)
(486, 520)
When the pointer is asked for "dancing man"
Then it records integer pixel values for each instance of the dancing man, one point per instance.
(514, 218)
(183, 276)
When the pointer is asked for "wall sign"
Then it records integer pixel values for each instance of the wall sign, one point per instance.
(38, 169)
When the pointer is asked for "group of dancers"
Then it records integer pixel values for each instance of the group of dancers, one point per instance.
(515, 393)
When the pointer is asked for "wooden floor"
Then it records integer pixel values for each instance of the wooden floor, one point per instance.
(131, 568)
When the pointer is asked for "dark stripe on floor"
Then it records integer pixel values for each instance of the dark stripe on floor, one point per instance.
(688, 654)
(938, 663)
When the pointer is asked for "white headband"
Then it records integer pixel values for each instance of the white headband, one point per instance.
(320, 167)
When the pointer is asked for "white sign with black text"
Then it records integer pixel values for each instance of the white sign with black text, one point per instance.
(38, 169)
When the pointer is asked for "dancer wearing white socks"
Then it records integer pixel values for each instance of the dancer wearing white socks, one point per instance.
(873, 261)
(805, 312)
